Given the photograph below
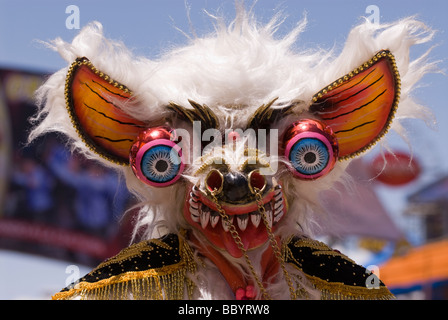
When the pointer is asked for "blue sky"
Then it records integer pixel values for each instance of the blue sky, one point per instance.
(149, 26)
(149, 29)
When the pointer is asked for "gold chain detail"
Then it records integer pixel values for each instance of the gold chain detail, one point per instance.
(274, 244)
(239, 243)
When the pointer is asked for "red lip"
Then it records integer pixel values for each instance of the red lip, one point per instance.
(234, 209)
(201, 212)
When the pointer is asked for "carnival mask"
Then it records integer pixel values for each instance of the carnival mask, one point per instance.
(234, 192)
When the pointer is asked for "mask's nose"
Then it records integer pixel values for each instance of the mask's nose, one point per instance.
(236, 187)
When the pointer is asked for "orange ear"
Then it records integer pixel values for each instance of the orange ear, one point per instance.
(359, 107)
(93, 101)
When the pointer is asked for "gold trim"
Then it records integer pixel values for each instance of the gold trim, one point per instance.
(215, 191)
(321, 249)
(381, 54)
(117, 287)
(168, 282)
(79, 62)
(340, 291)
(334, 290)
(208, 160)
(255, 190)
(253, 155)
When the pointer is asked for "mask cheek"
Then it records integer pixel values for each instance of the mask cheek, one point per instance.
(311, 149)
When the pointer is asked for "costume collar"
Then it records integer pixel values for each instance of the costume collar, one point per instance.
(242, 288)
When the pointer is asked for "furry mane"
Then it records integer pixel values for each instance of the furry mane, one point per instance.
(233, 70)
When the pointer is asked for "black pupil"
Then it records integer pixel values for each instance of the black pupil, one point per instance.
(310, 157)
(161, 165)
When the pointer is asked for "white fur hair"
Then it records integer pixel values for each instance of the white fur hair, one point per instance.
(234, 70)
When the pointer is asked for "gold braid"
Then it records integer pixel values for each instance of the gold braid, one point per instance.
(239, 243)
(274, 244)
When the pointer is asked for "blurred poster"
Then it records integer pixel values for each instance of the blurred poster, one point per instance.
(53, 202)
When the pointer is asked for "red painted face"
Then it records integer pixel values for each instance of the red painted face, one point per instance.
(202, 213)
(349, 116)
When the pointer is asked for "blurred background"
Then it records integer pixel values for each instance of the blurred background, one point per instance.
(60, 215)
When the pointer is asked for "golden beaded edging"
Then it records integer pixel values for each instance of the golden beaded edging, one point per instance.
(69, 106)
(380, 55)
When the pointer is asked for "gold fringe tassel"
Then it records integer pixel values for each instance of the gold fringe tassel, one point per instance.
(335, 290)
(339, 291)
(166, 283)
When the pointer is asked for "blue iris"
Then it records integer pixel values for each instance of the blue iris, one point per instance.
(160, 164)
(309, 156)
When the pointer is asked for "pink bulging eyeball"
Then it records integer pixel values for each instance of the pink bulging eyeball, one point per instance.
(155, 158)
(311, 148)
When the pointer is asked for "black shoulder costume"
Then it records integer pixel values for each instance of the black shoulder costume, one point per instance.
(157, 269)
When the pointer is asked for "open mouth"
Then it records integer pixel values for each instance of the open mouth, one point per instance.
(202, 213)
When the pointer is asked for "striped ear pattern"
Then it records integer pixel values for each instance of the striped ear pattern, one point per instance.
(359, 107)
(93, 101)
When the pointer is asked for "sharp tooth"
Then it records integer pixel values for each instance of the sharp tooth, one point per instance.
(278, 204)
(268, 206)
(278, 196)
(278, 208)
(225, 226)
(193, 203)
(205, 217)
(278, 216)
(194, 214)
(214, 219)
(194, 195)
(255, 218)
(243, 221)
(269, 217)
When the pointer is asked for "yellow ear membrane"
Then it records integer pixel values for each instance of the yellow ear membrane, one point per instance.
(93, 101)
(360, 106)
